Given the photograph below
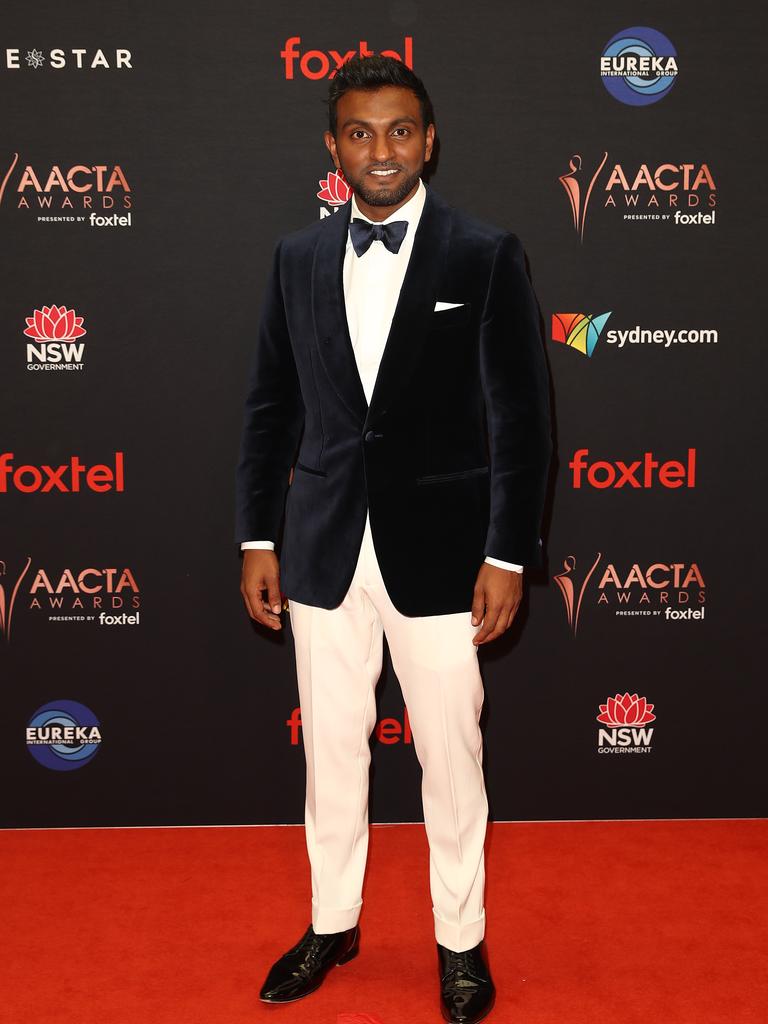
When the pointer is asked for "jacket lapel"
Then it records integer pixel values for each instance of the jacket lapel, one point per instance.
(415, 305)
(330, 313)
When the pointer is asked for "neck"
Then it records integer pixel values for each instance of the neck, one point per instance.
(379, 213)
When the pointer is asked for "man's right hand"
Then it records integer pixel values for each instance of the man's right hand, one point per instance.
(261, 571)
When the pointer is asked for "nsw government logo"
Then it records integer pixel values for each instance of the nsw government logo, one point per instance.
(625, 715)
(334, 191)
(55, 331)
(63, 735)
(638, 66)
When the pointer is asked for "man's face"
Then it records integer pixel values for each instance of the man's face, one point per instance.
(381, 146)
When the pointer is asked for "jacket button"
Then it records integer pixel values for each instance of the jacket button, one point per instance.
(370, 436)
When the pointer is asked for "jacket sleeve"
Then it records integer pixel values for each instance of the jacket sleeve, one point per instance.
(515, 385)
(272, 422)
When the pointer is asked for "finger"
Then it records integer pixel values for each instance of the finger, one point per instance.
(257, 608)
(478, 606)
(273, 593)
(247, 602)
(489, 623)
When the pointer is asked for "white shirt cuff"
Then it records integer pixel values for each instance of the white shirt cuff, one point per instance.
(504, 565)
(269, 545)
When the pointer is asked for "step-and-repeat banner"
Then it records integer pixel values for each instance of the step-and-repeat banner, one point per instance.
(147, 168)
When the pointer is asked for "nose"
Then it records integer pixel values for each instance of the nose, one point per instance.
(381, 150)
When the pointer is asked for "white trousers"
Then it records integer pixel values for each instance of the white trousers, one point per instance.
(338, 661)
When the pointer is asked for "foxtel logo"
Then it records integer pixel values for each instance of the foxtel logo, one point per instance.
(69, 478)
(639, 474)
(316, 64)
(387, 730)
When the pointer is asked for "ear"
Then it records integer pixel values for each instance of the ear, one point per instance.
(430, 134)
(330, 143)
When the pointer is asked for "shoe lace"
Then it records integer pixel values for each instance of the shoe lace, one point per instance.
(463, 968)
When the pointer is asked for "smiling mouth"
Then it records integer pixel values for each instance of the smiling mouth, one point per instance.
(385, 173)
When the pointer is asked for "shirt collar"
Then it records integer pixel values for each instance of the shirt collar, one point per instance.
(410, 211)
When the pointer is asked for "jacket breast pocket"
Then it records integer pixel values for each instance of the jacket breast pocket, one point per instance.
(450, 317)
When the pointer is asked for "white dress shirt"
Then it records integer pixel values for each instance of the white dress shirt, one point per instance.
(372, 284)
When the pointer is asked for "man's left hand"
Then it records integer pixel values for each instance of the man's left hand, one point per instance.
(497, 597)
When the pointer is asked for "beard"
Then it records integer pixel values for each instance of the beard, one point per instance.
(384, 196)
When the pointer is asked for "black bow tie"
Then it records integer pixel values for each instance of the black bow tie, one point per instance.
(363, 233)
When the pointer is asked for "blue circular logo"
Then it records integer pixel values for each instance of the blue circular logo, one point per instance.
(638, 66)
(63, 735)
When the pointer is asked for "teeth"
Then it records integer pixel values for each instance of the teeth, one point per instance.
(382, 173)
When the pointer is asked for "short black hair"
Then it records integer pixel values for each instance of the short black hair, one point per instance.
(372, 73)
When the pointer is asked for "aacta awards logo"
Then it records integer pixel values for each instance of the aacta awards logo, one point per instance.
(63, 735)
(644, 193)
(581, 332)
(334, 191)
(55, 330)
(102, 596)
(639, 66)
(669, 591)
(71, 195)
(625, 715)
(80, 59)
(317, 64)
(69, 478)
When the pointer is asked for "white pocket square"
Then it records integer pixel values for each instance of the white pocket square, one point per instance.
(447, 305)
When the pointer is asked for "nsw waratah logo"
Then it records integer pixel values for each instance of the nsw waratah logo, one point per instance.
(63, 735)
(579, 331)
(626, 716)
(335, 191)
(55, 331)
(638, 66)
(626, 710)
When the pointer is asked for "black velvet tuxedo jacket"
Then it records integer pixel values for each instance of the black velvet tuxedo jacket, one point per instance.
(451, 456)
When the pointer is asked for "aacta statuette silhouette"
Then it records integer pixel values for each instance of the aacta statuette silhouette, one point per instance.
(572, 182)
(564, 580)
(6, 601)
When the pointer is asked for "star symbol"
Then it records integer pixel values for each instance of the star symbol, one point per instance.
(35, 58)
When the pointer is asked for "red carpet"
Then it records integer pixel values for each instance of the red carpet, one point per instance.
(587, 922)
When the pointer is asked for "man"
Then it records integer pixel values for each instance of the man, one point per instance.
(400, 352)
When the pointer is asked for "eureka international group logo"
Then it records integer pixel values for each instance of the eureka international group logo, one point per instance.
(63, 735)
(639, 66)
(627, 717)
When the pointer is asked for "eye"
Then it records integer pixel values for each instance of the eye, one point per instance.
(358, 133)
(405, 131)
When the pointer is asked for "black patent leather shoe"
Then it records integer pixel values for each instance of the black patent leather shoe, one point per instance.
(302, 969)
(467, 993)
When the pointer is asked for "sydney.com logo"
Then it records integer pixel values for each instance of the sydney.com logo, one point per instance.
(582, 331)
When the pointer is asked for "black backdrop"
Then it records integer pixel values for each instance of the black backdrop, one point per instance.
(221, 154)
